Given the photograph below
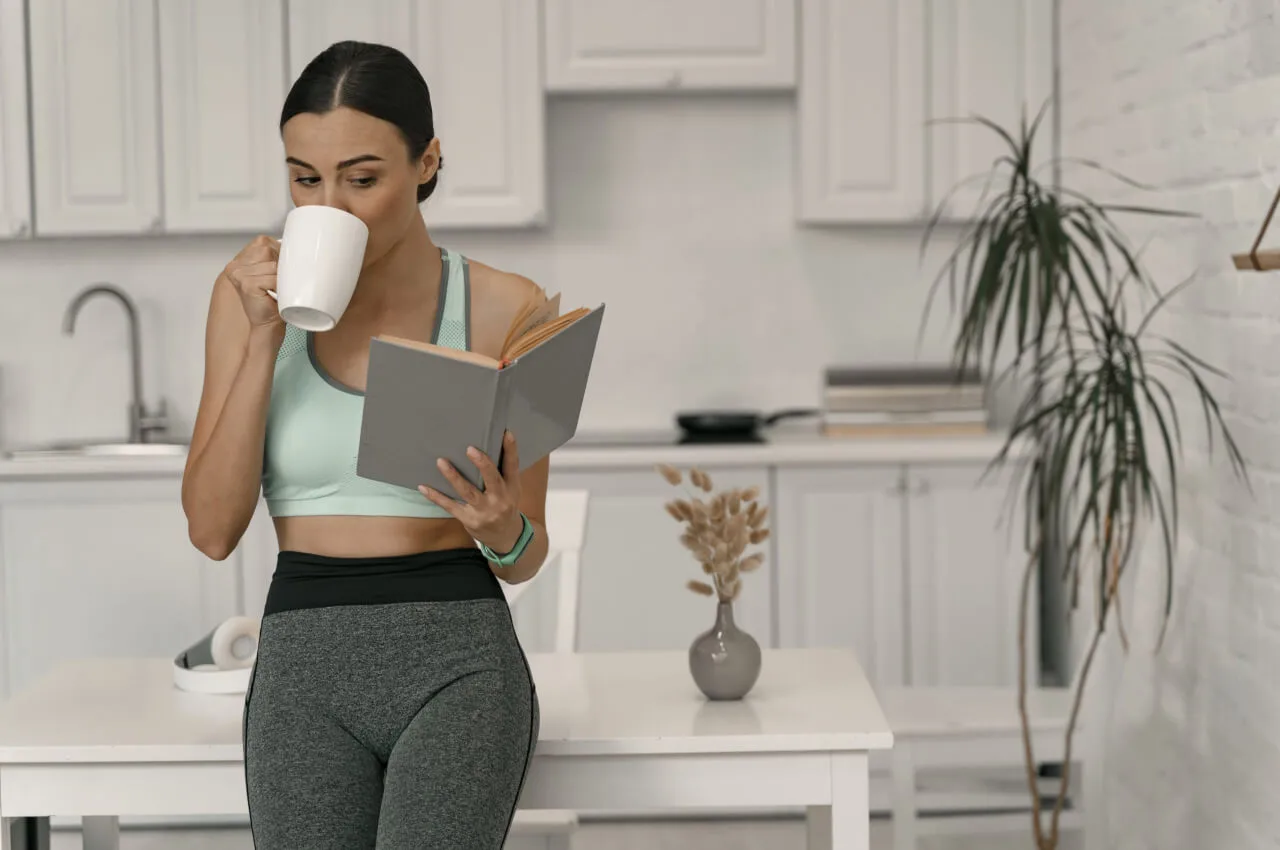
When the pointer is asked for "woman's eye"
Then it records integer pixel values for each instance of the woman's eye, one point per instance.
(306, 181)
(364, 181)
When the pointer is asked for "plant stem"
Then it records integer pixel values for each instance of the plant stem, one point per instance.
(1032, 786)
(1070, 734)
(1113, 589)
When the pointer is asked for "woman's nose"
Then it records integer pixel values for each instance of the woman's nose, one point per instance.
(333, 198)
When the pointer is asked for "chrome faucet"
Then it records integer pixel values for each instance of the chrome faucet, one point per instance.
(142, 424)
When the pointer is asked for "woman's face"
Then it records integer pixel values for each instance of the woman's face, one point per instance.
(359, 164)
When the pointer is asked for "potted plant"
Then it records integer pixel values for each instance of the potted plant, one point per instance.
(718, 531)
(1044, 282)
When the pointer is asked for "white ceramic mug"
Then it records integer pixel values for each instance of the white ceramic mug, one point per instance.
(321, 254)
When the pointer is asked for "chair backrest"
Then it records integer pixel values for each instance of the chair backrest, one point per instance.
(566, 522)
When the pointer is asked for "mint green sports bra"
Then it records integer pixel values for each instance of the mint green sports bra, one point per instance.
(313, 424)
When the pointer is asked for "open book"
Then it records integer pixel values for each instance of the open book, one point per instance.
(425, 401)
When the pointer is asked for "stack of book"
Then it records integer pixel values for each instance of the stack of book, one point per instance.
(909, 400)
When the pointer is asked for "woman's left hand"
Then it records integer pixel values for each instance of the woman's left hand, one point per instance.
(491, 516)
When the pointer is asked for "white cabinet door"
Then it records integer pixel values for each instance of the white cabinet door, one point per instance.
(482, 63)
(990, 58)
(222, 83)
(635, 570)
(840, 578)
(15, 165)
(861, 112)
(101, 568)
(597, 45)
(316, 24)
(95, 139)
(965, 557)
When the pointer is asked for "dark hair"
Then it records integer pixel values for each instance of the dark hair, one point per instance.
(374, 79)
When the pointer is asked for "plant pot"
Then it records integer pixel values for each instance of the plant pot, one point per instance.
(724, 660)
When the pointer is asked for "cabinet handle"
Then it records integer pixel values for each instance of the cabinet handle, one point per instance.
(899, 488)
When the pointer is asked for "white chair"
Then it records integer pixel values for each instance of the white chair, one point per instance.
(966, 731)
(566, 524)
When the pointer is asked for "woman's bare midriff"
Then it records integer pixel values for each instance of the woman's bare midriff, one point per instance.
(368, 536)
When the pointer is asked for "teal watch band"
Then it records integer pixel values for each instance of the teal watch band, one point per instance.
(522, 543)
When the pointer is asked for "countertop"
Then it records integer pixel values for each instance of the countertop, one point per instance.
(604, 450)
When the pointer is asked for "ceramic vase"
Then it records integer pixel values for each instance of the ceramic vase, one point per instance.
(724, 660)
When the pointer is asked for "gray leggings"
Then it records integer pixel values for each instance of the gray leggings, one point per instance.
(387, 724)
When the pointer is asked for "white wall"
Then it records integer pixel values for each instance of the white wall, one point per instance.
(676, 210)
(1186, 96)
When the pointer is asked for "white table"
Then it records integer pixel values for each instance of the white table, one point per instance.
(620, 732)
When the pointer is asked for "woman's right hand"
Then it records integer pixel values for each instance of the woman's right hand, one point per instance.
(253, 273)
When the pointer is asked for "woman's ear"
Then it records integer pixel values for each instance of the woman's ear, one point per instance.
(429, 164)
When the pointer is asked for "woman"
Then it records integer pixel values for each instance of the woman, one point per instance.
(390, 705)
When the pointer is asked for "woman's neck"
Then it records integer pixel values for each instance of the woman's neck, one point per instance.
(407, 273)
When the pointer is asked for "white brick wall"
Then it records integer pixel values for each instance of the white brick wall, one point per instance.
(1185, 95)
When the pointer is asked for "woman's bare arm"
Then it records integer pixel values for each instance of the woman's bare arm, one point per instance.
(222, 480)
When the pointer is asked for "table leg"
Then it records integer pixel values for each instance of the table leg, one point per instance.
(24, 834)
(846, 823)
(101, 832)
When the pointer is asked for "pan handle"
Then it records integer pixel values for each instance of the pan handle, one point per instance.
(790, 413)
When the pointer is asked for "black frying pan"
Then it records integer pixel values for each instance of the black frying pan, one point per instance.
(732, 426)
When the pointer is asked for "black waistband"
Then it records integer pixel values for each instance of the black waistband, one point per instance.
(305, 580)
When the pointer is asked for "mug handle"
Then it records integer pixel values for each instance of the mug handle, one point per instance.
(272, 292)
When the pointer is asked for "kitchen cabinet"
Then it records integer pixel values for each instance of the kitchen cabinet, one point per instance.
(482, 62)
(964, 561)
(841, 569)
(914, 566)
(100, 568)
(95, 140)
(222, 83)
(620, 45)
(900, 550)
(15, 174)
(992, 58)
(880, 79)
(861, 109)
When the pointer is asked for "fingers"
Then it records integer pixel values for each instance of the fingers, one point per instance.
(464, 488)
(510, 460)
(488, 472)
(453, 507)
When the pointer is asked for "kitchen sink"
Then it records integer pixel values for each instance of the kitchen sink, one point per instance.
(99, 450)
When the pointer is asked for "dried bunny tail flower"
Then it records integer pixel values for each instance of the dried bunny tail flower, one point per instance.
(701, 587)
(759, 535)
(751, 562)
(749, 494)
(700, 479)
(760, 516)
(669, 472)
(673, 508)
(708, 568)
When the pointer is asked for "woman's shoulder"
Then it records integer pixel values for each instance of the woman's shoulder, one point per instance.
(499, 287)
(497, 297)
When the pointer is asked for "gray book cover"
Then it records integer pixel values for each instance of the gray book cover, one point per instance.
(420, 406)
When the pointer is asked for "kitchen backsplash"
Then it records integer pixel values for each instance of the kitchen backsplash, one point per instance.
(676, 211)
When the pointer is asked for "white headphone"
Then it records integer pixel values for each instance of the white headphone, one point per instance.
(222, 661)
